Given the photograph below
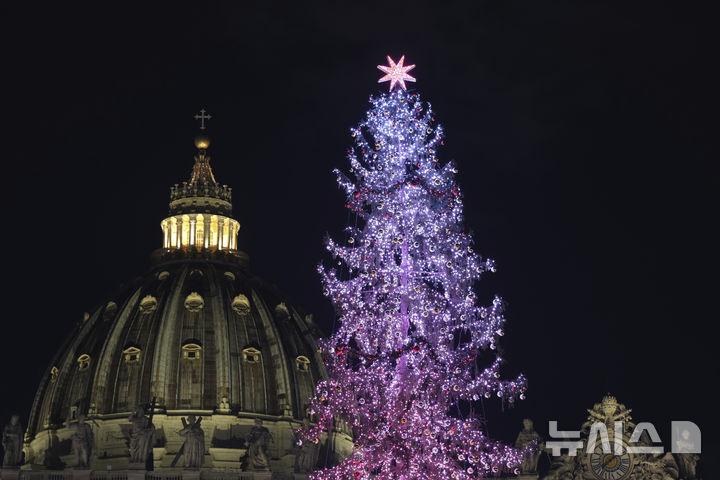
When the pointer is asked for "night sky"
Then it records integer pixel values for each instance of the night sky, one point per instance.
(581, 130)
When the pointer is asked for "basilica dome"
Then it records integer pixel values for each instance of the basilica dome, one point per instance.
(198, 333)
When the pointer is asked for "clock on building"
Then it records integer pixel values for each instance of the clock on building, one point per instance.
(610, 465)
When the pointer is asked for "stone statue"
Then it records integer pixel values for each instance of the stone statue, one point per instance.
(564, 467)
(194, 447)
(83, 441)
(686, 460)
(258, 443)
(142, 436)
(307, 452)
(528, 436)
(656, 467)
(12, 442)
(52, 460)
(224, 406)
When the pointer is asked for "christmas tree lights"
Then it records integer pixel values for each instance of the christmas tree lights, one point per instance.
(405, 355)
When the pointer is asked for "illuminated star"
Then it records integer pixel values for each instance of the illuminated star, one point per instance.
(396, 73)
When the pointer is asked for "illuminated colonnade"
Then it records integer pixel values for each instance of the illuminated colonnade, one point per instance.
(202, 231)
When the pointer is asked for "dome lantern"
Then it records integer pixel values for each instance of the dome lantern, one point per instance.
(200, 217)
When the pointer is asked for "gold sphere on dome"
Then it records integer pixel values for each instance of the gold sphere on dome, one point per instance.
(202, 142)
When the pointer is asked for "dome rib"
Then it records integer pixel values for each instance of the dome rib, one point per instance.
(102, 375)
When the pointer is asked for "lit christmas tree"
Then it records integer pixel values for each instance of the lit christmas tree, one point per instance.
(405, 356)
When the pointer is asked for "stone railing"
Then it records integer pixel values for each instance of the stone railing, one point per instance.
(72, 474)
(185, 190)
(109, 475)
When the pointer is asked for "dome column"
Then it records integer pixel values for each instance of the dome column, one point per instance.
(166, 233)
(218, 232)
(206, 232)
(178, 232)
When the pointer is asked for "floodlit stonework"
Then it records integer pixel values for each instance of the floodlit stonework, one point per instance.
(197, 334)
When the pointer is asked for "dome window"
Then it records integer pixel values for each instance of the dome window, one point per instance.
(163, 275)
(54, 372)
(251, 355)
(84, 361)
(132, 355)
(281, 310)
(110, 310)
(148, 304)
(229, 276)
(194, 302)
(191, 351)
(241, 305)
(302, 363)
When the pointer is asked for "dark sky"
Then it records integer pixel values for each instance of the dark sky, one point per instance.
(581, 131)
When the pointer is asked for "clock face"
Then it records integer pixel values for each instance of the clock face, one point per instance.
(608, 466)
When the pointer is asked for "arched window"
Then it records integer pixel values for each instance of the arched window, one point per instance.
(191, 351)
(148, 304)
(84, 361)
(251, 355)
(110, 310)
(281, 310)
(302, 363)
(132, 355)
(194, 302)
(241, 304)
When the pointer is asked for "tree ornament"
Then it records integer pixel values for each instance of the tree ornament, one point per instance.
(396, 73)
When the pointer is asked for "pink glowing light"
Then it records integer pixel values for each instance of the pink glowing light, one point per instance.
(396, 73)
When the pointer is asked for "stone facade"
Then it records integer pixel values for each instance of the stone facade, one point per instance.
(225, 444)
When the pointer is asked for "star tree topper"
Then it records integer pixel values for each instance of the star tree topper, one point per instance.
(396, 73)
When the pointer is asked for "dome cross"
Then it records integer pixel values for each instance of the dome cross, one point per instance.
(202, 117)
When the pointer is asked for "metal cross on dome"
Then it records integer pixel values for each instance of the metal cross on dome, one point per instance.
(396, 73)
(202, 117)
